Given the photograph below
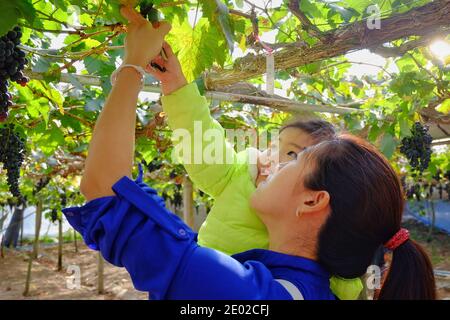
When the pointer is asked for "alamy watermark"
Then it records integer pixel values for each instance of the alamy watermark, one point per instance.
(374, 274)
(73, 282)
(220, 146)
(374, 19)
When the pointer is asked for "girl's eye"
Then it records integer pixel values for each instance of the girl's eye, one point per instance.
(292, 154)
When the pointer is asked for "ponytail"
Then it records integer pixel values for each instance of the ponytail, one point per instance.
(410, 275)
(366, 207)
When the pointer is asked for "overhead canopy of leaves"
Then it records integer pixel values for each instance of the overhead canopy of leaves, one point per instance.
(83, 37)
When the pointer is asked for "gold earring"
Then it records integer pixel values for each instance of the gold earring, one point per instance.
(297, 213)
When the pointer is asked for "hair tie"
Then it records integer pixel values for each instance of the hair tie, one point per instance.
(398, 239)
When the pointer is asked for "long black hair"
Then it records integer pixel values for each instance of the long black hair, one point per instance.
(366, 200)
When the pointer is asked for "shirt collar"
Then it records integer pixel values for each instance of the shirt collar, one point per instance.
(273, 259)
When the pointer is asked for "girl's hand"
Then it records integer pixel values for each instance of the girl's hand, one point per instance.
(143, 41)
(173, 78)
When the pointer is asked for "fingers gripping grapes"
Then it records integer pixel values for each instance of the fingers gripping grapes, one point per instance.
(152, 15)
(144, 41)
(156, 56)
(172, 78)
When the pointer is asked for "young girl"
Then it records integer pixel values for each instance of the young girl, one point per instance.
(232, 226)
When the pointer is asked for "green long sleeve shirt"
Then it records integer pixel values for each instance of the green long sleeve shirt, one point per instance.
(231, 226)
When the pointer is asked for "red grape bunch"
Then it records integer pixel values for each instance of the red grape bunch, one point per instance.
(12, 63)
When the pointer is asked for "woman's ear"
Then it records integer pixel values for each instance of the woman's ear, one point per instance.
(314, 201)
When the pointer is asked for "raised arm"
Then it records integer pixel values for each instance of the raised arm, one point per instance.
(188, 113)
(111, 148)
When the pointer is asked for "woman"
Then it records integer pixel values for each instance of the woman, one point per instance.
(232, 225)
(326, 212)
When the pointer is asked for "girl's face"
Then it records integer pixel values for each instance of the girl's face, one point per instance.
(281, 193)
(291, 142)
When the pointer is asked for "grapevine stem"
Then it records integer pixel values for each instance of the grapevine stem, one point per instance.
(171, 4)
(75, 55)
(50, 30)
(99, 49)
(98, 11)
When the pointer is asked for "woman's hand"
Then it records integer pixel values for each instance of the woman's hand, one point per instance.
(173, 78)
(143, 41)
(111, 150)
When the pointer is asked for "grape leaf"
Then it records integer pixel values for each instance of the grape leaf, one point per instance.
(11, 11)
(388, 145)
(444, 107)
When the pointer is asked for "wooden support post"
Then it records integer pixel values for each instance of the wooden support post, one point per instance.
(34, 255)
(60, 244)
(100, 274)
(188, 202)
(38, 221)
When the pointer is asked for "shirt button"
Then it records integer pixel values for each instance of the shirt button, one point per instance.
(182, 232)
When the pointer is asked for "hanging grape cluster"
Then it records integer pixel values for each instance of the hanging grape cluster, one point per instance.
(177, 200)
(54, 215)
(12, 63)
(417, 147)
(63, 198)
(148, 12)
(42, 183)
(154, 165)
(12, 155)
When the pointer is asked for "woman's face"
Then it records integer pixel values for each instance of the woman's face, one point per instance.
(280, 194)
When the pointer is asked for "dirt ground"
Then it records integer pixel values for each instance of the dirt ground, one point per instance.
(47, 283)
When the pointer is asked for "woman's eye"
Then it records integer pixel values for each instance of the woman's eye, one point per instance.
(292, 154)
